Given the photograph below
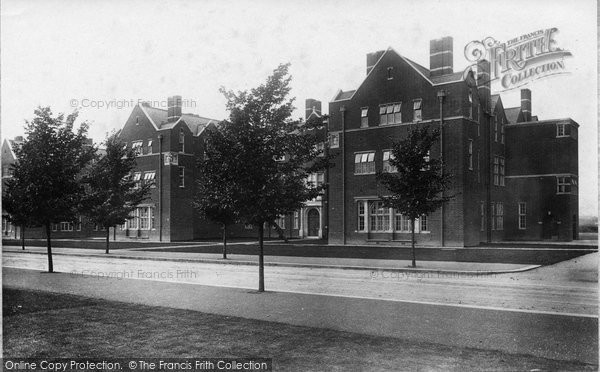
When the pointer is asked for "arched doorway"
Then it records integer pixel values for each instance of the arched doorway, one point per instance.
(314, 223)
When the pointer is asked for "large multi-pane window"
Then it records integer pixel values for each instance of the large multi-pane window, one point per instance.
(401, 223)
(149, 177)
(561, 130)
(364, 117)
(144, 218)
(141, 218)
(497, 216)
(137, 176)
(417, 110)
(361, 216)
(137, 147)
(364, 163)
(502, 131)
(66, 226)
(522, 216)
(316, 179)
(390, 113)
(387, 167)
(379, 216)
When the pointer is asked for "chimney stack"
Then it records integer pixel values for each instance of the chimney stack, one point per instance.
(526, 104)
(441, 60)
(312, 105)
(173, 109)
(483, 85)
(372, 59)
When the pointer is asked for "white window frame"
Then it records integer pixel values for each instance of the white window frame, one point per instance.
(181, 148)
(561, 130)
(137, 147)
(149, 151)
(379, 217)
(181, 176)
(334, 140)
(563, 184)
(361, 210)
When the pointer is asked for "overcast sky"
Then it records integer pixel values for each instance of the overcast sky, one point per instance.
(81, 53)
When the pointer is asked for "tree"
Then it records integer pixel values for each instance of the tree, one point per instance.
(418, 185)
(48, 168)
(215, 186)
(17, 204)
(111, 194)
(268, 155)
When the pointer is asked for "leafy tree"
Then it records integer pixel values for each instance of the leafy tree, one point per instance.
(215, 194)
(49, 164)
(17, 204)
(268, 155)
(111, 195)
(418, 185)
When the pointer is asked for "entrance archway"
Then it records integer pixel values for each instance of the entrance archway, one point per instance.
(314, 223)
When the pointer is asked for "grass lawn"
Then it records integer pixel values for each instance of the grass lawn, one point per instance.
(41, 324)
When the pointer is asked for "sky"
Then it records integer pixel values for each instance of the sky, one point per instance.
(104, 56)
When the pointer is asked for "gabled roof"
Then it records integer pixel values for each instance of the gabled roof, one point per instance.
(158, 118)
(512, 114)
(424, 72)
(12, 145)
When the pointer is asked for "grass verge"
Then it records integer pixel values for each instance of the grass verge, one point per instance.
(44, 325)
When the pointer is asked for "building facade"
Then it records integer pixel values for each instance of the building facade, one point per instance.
(503, 188)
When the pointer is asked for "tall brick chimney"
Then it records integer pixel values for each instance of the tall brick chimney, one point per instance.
(483, 85)
(173, 108)
(372, 59)
(312, 105)
(441, 60)
(526, 104)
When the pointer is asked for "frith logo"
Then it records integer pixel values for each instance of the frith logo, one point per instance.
(520, 60)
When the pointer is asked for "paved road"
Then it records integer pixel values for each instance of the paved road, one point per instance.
(546, 335)
(566, 288)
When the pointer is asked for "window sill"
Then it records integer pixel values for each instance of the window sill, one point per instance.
(364, 174)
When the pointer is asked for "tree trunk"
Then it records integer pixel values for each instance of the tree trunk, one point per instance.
(412, 241)
(23, 237)
(107, 238)
(261, 258)
(224, 241)
(49, 246)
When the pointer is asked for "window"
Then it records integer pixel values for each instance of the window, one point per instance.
(426, 159)
(316, 179)
(364, 163)
(390, 113)
(470, 154)
(470, 105)
(562, 130)
(423, 224)
(379, 216)
(389, 73)
(564, 185)
(522, 216)
(79, 223)
(181, 141)
(364, 118)
(54, 227)
(478, 166)
(499, 216)
(320, 147)
(417, 113)
(66, 226)
(502, 131)
(137, 147)
(181, 176)
(296, 220)
(137, 178)
(496, 128)
(334, 140)
(496, 171)
(149, 177)
(144, 218)
(501, 170)
(150, 146)
(387, 167)
(402, 223)
(137, 120)
(280, 221)
(482, 215)
(361, 216)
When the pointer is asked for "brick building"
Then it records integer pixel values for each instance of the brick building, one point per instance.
(515, 176)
